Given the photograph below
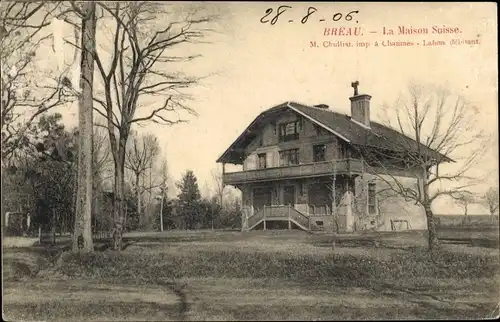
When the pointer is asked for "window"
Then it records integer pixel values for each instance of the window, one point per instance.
(342, 150)
(289, 131)
(371, 198)
(289, 157)
(262, 161)
(318, 130)
(319, 153)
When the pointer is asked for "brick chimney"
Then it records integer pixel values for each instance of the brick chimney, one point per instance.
(360, 106)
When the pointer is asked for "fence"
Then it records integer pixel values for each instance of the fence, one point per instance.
(46, 237)
(102, 234)
(50, 237)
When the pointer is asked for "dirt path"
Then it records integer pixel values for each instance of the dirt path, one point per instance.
(95, 300)
(28, 295)
(244, 299)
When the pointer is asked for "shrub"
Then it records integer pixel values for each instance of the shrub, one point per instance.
(347, 270)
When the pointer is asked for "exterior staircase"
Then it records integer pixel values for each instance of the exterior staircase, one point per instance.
(278, 213)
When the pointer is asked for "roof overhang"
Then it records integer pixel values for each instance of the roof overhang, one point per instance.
(235, 154)
(434, 155)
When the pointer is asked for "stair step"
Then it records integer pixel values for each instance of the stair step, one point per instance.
(283, 219)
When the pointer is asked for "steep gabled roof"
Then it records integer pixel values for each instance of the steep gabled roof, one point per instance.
(341, 125)
(236, 149)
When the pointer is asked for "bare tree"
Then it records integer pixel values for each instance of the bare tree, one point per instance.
(145, 45)
(219, 186)
(102, 166)
(140, 156)
(27, 92)
(435, 126)
(336, 199)
(359, 202)
(464, 199)
(164, 174)
(101, 156)
(164, 178)
(490, 198)
(152, 181)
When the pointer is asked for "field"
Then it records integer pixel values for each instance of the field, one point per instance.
(474, 221)
(271, 275)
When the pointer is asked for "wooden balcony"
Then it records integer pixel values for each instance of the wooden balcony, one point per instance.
(317, 169)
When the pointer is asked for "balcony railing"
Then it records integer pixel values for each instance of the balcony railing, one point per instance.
(322, 210)
(344, 166)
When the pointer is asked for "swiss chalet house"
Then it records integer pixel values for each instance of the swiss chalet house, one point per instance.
(302, 164)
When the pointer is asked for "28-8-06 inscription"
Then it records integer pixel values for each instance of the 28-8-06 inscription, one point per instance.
(349, 36)
(408, 36)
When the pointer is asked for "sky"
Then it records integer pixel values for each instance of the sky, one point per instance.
(255, 65)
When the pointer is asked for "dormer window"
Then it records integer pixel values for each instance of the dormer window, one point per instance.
(289, 131)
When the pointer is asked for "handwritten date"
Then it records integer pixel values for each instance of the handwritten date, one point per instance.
(272, 16)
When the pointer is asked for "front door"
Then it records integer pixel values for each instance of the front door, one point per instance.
(289, 195)
(261, 197)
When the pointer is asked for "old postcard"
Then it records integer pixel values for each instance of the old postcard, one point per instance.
(249, 161)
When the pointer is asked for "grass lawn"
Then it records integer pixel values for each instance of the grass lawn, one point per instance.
(271, 275)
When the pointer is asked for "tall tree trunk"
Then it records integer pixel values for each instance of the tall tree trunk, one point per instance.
(2, 203)
(96, 192)
(83, 216)
(150, 182)
(73, 208)
(138, 194)
(119, 195)
(466, 213)
(433, 240)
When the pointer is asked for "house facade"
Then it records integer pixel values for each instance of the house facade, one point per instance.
(306, 167)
